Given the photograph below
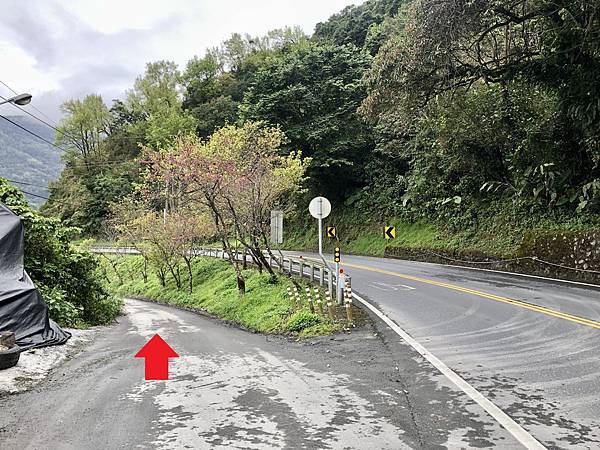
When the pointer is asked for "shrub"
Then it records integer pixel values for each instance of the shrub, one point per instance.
(301, 320)
(60, 309)
(67, 277)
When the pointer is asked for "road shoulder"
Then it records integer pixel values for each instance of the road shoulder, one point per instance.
(35, 365)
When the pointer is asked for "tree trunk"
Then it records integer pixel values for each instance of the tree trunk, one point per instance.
(114, 266)
(175, 273)
(262, 260)
(241, 284)
(188, 263)
(145, 270)
(161, 276)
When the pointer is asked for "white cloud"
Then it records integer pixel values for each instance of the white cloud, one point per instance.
(57, 50)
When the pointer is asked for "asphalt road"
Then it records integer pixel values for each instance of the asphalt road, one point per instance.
(234, 389)
(538, 358)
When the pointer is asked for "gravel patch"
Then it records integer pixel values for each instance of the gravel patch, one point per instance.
(35, 365)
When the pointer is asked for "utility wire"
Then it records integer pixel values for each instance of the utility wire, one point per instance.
(26, 184)
(49, 122)
(35, 195)
(50, 125)
(44, 197)
(64, 133)
(33, 106)
(32, 133)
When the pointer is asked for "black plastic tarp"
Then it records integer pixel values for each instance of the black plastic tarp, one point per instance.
(22, 309)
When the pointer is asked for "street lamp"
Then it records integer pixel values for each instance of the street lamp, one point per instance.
(21, 100)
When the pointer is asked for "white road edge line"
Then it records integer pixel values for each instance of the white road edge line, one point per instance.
(500, 416)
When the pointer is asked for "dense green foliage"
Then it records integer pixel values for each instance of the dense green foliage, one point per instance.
(313, 93)
(216, 83)
(362, 25)
(464, 115)
(266, 307)
(493, 101)
(66, 276)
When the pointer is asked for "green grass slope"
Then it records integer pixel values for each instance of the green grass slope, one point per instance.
(266, 306)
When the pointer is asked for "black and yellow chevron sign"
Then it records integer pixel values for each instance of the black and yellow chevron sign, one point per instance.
(331, 232)
(389, 232)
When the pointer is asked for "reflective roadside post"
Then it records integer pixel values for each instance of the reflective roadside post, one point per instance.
(337, 256)
(340, 285)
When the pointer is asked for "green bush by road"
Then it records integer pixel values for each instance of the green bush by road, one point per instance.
(66, 275)
(266, 306)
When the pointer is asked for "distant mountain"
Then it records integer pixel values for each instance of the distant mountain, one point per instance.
(27, 159)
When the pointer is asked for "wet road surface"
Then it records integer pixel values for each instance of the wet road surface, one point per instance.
(538, 358)
(234, 389)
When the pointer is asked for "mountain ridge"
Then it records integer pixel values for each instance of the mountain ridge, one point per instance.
(27, 159)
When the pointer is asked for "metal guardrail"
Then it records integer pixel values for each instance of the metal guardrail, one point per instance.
(314, 271)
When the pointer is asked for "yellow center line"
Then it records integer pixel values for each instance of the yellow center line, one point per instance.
(498, 298)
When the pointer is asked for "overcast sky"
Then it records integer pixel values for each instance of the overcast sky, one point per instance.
(57, 49)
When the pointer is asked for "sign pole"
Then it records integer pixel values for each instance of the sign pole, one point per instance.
(320, 208)
(337, 283)
(321, 237)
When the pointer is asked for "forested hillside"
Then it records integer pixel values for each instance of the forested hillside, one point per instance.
(479, 120)
(27, 159)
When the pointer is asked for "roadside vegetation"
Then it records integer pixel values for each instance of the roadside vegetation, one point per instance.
(469, 125)
(67, 276)
(496, 235)
(265, 307)
(462, 117)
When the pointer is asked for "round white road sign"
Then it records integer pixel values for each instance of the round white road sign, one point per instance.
(319, 207)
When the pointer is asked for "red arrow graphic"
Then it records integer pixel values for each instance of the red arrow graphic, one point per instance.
(157, 353)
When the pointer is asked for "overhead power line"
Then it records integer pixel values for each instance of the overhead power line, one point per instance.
(39, 120)
(64, 133)
(32, 133)
(35, 195)
(33, 106)
(26, 184)
(54, 127)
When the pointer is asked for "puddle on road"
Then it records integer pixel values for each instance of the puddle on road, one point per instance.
(260, 401)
